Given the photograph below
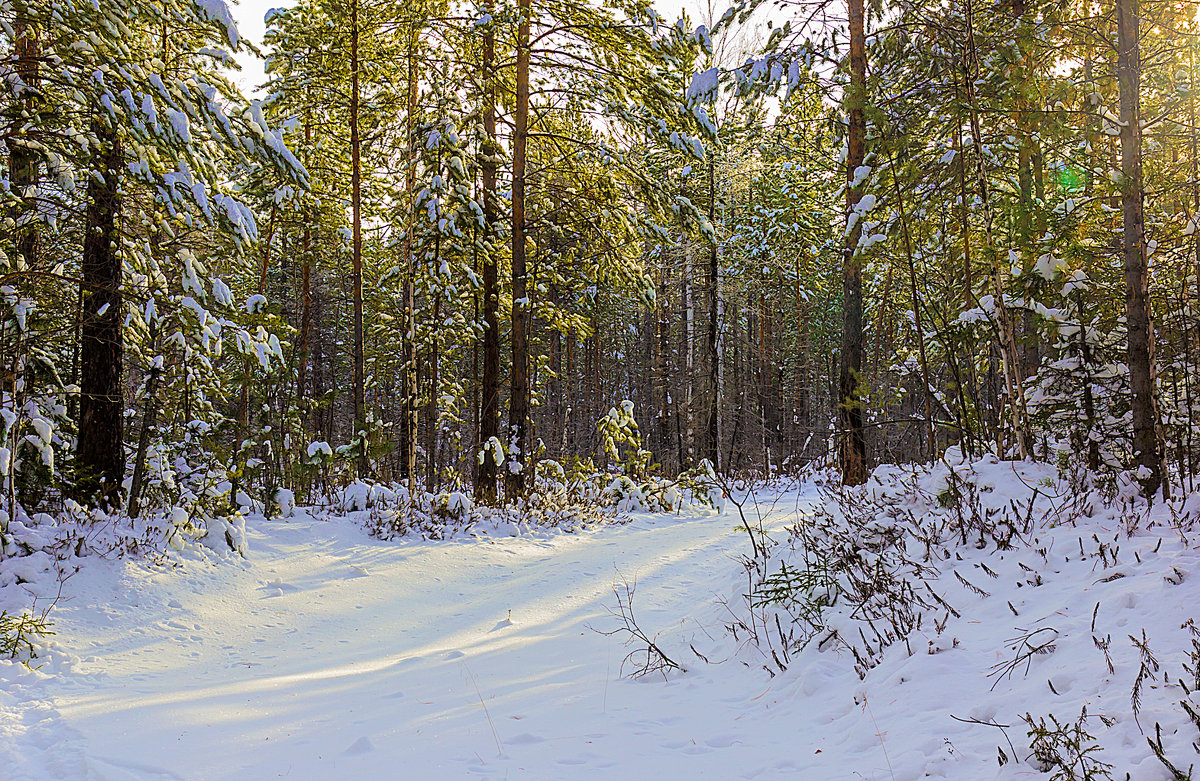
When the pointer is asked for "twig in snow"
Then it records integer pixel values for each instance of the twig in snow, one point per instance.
(646, 657)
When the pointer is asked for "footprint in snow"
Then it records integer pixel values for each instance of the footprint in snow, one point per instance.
(722, 741)
(454, 655)
(361, 746)
(524, 739)
(1062, 682)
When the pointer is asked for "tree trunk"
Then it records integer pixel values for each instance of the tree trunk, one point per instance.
(713, 427)
(518, 409)
(852, 449)
(23, 160)
(407, 432)
(431, 406)
(489, 397)
(918, 324)
(99, 458)
(302, 348)
(359, 390)
(803, 387)
(1140, 327)
(1006, 336)
(149, 420)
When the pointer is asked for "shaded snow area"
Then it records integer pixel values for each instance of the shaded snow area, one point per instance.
(328, 654)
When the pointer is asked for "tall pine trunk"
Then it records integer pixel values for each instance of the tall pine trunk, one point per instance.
(1140, 345)
(518, 409)
(713, 426)
(23, 160)
(149, 421)
(852, 450)
(408, 364)
(302, 346)
(99, 457)
(489, 397)
(359, 390)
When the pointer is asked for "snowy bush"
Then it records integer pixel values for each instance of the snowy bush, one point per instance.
(23, 636)
(282, 503)
(1047, 588)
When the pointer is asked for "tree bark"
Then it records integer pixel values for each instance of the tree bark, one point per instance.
(407, 432)
(149, 421)
(518, 409)
(359, 390)
(99, 458)
(713, 426)
(852, 450)
(23, 160)
(1139, 324)
(489, 397)
(302, 347)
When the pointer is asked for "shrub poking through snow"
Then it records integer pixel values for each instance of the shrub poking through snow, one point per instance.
(1029, 577)
(1066, 751)
(390, 512)
(563, 496)
(23, 635)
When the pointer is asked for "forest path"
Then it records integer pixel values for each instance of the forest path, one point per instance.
(330, 655)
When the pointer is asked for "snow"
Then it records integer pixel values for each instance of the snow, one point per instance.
(704, 85)
(255, 303)
(218, 12)
(319, 450)
(327, 654)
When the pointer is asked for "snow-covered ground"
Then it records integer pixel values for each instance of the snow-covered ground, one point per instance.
(327, 654)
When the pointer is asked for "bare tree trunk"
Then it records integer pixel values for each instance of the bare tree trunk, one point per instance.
(518, 402)
(99, 457)
(852, 448)
(1140, 345)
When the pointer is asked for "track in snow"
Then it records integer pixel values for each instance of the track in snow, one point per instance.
(329, 655)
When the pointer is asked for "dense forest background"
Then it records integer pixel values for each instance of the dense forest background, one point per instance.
(475, 247)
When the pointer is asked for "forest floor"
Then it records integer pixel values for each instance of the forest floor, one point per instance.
(327, 654)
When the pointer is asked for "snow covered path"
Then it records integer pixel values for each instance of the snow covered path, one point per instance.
(330, 655)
